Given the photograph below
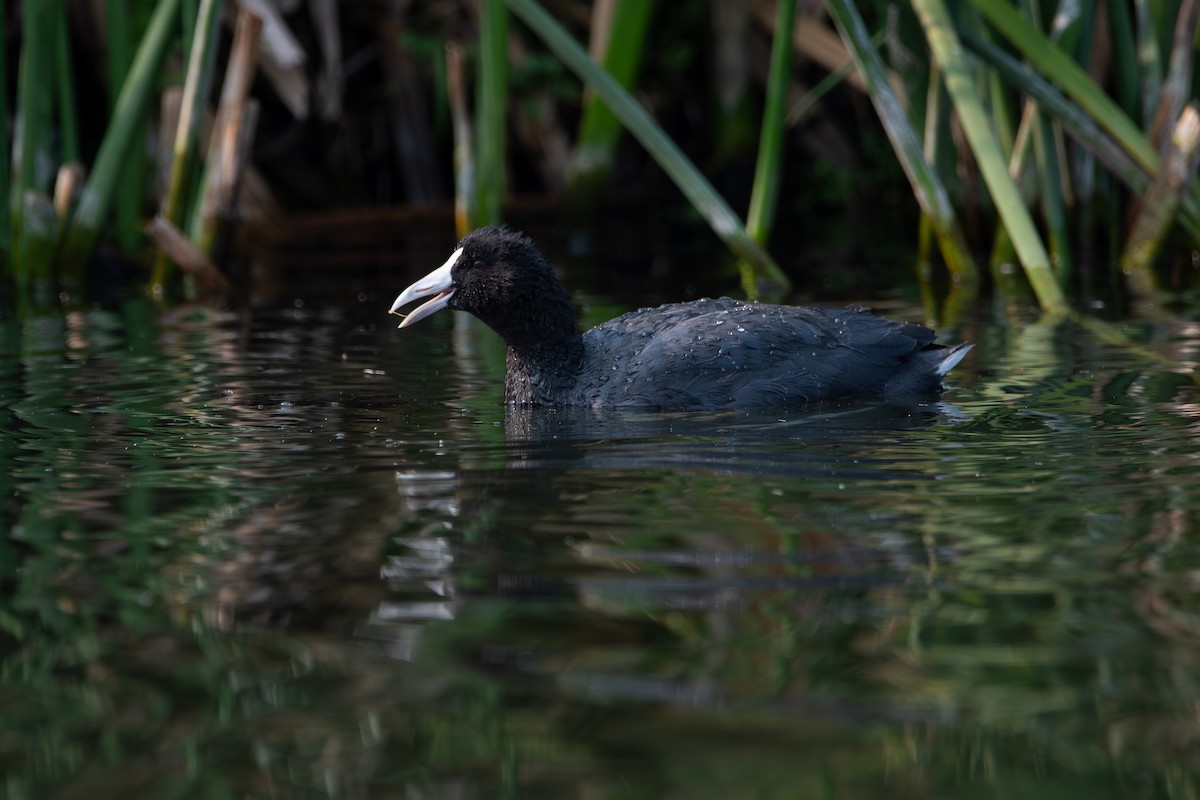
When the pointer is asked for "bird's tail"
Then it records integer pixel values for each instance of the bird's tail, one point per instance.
(951, 357)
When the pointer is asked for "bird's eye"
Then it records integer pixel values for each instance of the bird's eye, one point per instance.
(477, 265)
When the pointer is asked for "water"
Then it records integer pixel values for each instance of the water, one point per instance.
(295, 553)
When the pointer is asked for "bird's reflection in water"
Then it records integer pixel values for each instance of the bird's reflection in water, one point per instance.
(819, 439)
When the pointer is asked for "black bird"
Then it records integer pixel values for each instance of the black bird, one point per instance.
(703, 354)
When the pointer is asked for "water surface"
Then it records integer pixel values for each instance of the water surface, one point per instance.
(292, 552)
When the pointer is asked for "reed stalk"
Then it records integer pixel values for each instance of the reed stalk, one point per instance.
(1053, 196)
(464, 155)
(1083, 127)
(201, 57)
(1159, 206)
(66, 189)
(1012, 132)
(1099, 109)
(946, 49)
(5, 196)
(1006, 121)
(492, 104)
(710, 205)
(625, 23)
(33, 132)
(190, 12)
(769, 167)
(182, 251)
(129, 189)
(1149, 58)
(732, 121)
(810, 98)
(39, 238)
(68, 125)
(1177, 85)
(221, 167)
(926, 233)
(768, 171)
(1124, 58)
(97, 195)
(118, 46)
(1053, 192)
(928, 189)
(1072, 79)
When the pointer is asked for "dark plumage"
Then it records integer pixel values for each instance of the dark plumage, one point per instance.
(704, 354)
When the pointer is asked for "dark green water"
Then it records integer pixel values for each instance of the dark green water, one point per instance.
(290, 554)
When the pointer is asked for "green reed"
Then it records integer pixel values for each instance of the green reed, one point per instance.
(928, 187)
(201, 56)
(121, 136)
(1067, 113)
(592, 160)
(768, 171)
(492, 120)
(32, 134)
(704, 198)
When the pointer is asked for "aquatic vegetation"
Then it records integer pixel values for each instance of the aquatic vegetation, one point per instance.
(1060, 139)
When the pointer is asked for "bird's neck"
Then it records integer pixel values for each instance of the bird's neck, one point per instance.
(543, 373)
(544, 348)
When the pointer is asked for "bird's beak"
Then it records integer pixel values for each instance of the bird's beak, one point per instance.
(437, 283)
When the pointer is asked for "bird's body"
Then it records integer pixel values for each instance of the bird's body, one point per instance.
(702, 354)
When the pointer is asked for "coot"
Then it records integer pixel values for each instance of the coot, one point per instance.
(703, 354)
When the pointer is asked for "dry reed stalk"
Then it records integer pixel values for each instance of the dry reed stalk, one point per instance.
(223, 146)
(1160, 206)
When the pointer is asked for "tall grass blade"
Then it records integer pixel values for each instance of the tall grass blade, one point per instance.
(492, 104)
(1160, 204)
(31, 147)
(121, 30)
(190, 12)
(39, 238)
(810, 98)
(68, 126)
(1177, 86)
(1051, 183)
(1073, 80)
(464, 154)
(935, 129)
(768, 171)
(1124, 56)
(930, 193)
(1007, 121)
(97, 195)
(201, 57)
(5, 226)
(1082, 126)
(599, 129)
(1149, 58)
(119, 48)
(638, 121)
(1095, 108)
(67, 184)
(733, 121)
(960, 83)
(1054, 206)
(221, 167)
